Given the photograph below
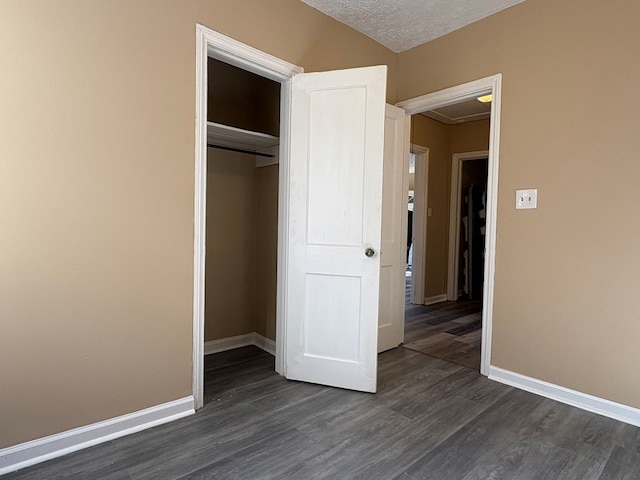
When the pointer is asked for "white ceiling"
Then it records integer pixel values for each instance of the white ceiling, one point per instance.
(467, 111)
(403, 24)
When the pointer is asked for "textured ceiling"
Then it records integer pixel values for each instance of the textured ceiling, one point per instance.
(403, 24)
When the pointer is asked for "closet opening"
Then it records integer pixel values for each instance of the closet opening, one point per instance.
(243, 130)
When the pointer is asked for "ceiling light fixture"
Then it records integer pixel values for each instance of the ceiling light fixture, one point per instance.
(485, 98)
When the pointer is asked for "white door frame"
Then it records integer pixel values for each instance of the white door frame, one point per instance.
(419, 232)
(453, 262)
(449, 96)
(221, 47)
(395, 181)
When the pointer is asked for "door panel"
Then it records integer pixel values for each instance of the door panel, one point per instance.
(394, 229)
(330, 298)
(335, 168)
(335, 189)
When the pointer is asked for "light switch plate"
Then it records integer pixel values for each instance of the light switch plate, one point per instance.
(526, 199)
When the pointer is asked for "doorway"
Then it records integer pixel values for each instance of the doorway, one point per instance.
(243, 126)
(451, 330)
(451, 97)
(329, 222)
(467, 225)
(211, 44)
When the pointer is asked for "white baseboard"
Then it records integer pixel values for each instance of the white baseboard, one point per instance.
(587, 402)
(265, 344)
(435, 299)
(229, 343)
(46, 448)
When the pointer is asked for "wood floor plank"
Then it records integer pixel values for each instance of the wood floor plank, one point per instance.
(408, 367)
(473, 338)
(467, 319)
(352, 445)
(525, 460)
(262, 460)
(434, 342)
(404, 476)
(451, 331)
(429, 419)
(418, 400)
(237, 432)
(467, 356)
(406, 448)
(615, 471)
(451, 348)
(458, 455)
(626, 451)
(584, 432)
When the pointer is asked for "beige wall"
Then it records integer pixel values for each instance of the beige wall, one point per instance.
(443, 141)
(96, 155)
(97, 179)
(469, 137)
(435, 136)
(566, 304)
(267, 245)
(242, 246)
(230, 283)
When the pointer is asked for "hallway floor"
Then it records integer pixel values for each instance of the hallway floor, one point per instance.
(451, 331)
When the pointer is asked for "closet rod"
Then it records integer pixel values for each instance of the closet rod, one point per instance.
(240, 150)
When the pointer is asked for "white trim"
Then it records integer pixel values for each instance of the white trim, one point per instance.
(248, 58)
(584, 401)
(420, 222)
(491, 224)
(435, 299)
(210, 43)
(228, 136)
(453, 262)
(229, 343)
(449, 96)
(200, 216)
(46, 448)
(283, 225)
(264, 343)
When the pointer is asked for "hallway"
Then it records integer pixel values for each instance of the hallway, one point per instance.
(451, 331)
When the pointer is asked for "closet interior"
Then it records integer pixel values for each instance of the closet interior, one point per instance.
(243, 125)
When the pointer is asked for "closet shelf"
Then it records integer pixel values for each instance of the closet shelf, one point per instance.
(227, 136)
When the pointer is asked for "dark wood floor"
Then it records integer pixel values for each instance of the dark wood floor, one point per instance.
(451, 331)
(429, 420)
